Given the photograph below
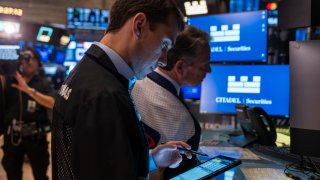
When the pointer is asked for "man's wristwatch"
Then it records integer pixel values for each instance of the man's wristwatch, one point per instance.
(33, 91)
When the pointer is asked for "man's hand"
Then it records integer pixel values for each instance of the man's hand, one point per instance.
(22, 84)
(167, 155)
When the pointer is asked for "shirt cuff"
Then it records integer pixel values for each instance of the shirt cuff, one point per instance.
(152, 164)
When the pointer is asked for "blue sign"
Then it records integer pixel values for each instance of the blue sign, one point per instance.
(235, 37)
(266, 86)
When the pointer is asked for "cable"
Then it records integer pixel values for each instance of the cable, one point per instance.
(317, 171)
(309, 169)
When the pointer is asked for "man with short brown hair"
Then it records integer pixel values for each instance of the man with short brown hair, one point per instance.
(97, 132)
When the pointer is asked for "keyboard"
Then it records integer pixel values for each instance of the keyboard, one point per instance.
(281, 153)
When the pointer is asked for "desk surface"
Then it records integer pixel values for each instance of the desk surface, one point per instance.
(266, 167)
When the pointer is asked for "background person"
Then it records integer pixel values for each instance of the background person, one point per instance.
(25, 118)
(165, 115)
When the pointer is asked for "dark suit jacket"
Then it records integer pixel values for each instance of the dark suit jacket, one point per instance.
(96, 133)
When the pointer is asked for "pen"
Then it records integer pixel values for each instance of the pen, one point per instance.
(191, 151)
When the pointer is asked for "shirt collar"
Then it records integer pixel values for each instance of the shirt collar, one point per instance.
(122, 67)
(174, 83)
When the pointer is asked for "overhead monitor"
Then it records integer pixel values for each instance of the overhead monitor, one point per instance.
(33, 32)
(243, 5)
(266, 86)
(235, 37)
(60, 56)
(9, 55)
(79, 53)
(82, 18)
(81, 49)
(9, 52)
(44, 34)
(50, 69)
(69, 65)
(44, 53)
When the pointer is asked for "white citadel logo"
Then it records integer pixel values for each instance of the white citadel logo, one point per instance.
(244, 86)
(196, 7)
(225, 35)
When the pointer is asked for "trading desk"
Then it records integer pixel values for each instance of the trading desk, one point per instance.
(254, 165)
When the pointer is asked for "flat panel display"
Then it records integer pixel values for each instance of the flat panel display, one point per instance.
(243, 5)
(266, 86)
(83, 18)
(191, 92)
(235, 37)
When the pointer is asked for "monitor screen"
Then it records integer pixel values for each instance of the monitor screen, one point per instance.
(79, 53)
(69, 65)
(266, 86)
(243, 5)
(235, 37)
(44, 53)
(69, 55)
(191, 92)
(50, 69)
(301, 34)
(273, 18)
(60, 56)
(83, 18)
(9, 52)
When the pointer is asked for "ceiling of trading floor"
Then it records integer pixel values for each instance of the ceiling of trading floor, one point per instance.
(52, 11)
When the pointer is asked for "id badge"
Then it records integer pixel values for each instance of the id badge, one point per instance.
(32, 105)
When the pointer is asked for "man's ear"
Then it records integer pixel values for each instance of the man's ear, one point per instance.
(179, 68)
(139, 21)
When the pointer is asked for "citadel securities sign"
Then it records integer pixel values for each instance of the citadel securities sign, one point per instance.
(266, 86)
(235, 100)
(11, 11)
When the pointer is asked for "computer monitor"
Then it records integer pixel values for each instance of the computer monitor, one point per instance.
(243, 5)
(79, 53)
(69, 66)
(191, 92)
(60, 56)
(9, 52)
(235, 37)
(9, 55)
(301, 34)
(83, 18)
(305, 97)
(50, 69)
(266, 86)
(44, 53)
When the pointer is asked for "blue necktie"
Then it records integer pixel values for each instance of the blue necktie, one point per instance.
(132, 81)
